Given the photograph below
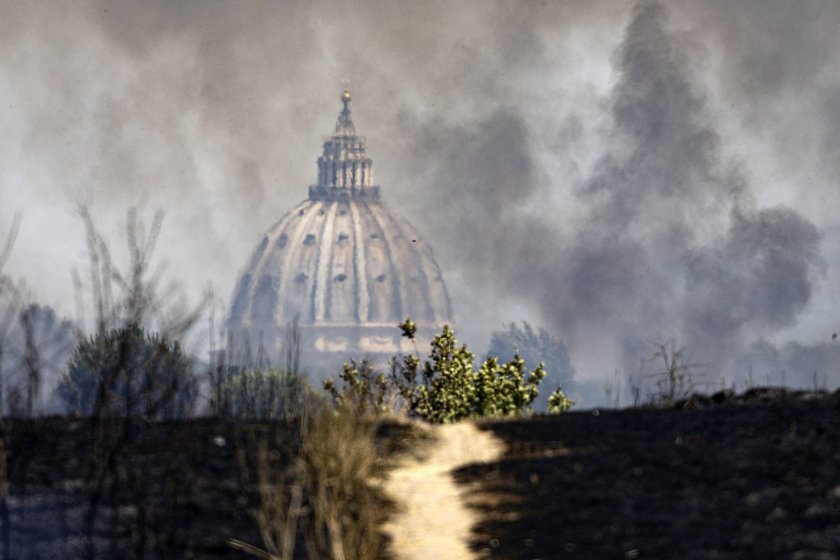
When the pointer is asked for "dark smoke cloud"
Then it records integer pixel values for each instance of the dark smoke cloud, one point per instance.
(660, 197)
(604, 169)
(648, 255)
(759, 275)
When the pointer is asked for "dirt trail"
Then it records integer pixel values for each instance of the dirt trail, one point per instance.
(434, 521)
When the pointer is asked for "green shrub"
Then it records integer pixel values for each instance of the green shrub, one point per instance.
(446, 387)
(558, 402)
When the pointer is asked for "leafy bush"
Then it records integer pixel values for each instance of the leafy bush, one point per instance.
(262, 394)
(558, 402)
(534, 346)
(446, 387)
(127, 372)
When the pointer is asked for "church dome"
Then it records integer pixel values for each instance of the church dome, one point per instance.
(342, 262)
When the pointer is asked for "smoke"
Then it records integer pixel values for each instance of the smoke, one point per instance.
(657, 200)
(670, 241)
(757, 278)
(608, 171)
(779, 83)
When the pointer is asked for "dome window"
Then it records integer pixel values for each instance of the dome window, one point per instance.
(342, 238)
(301, 278)
(374, 236)
(341, 277)
(309, 239)
(302, 212)
(380, 278)
(281, 241)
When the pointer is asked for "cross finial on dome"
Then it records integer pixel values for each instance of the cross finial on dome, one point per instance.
(345, 123)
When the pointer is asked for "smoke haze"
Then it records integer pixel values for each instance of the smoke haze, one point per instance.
(612, 171)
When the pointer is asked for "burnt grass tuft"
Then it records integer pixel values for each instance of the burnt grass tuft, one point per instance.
(751, 476)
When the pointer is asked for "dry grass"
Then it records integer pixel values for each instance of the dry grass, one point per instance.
(318, 501)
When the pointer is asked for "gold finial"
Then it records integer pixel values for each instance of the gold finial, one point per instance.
(345, 86)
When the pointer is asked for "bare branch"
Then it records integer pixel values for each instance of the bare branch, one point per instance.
(10, 240)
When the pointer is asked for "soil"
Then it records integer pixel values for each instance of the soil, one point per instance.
(432, 520)
(755, 476)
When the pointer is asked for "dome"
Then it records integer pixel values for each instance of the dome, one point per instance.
(342, 263)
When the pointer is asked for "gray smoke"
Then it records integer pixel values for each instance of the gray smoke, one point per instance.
(657, 199)
(759, 276)
(670, 242)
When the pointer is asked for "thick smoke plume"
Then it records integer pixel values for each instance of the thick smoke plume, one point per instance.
(610, 171)
(657, 200)
(670, 241)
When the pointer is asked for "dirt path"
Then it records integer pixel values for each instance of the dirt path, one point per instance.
(434, 521)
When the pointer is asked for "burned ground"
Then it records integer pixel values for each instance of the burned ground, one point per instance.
(170, 490)
(755, 475)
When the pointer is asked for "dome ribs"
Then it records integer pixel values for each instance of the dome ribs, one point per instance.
(258, 261)
(320, 292)
(341, 295)
(395, 307)
(292, 302)
(360, 267)
(419, 305)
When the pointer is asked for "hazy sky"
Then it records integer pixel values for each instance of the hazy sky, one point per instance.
(609, 170)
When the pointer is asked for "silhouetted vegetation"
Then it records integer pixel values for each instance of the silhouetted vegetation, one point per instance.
(5, 286)
(35, 345)
(675, 377)
(128, 372)
(262, 394)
